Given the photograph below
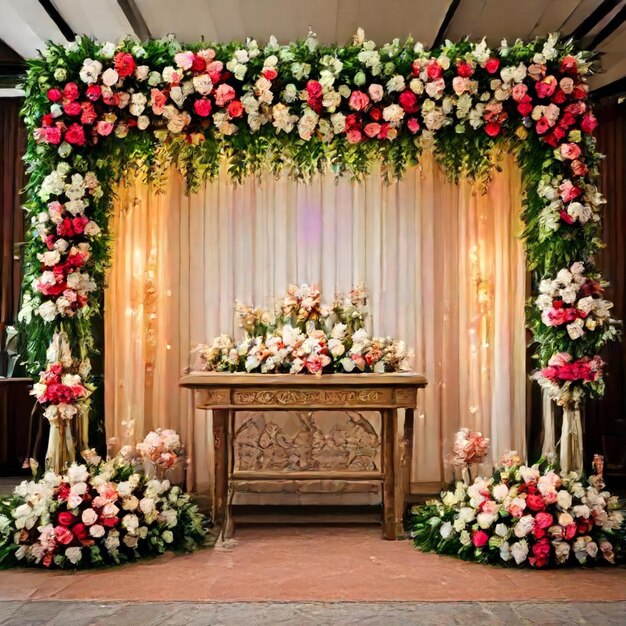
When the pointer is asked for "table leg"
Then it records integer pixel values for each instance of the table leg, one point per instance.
(220, 487)
(399, 447)
(389, 507)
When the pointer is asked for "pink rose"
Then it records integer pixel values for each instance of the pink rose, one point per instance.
(413, 125)
(224, 94)
(184, 60)
(434, 70)
(569, 191)
(75, 135)
(372, 130)
(570, 151)
(519, 91)
(358, 100)
(578, 168)
(354, 136)
(214, 70)
(63, 535)
(567, 85)
(376, 92)
(157, 101)
(480, 538)
(104, 128)
(543, 520)
(54, 94)
(459, 84)
(202, 107)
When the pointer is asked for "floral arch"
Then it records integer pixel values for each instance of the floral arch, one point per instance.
(99, 112)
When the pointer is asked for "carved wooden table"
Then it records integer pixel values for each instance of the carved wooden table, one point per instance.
(228, 394)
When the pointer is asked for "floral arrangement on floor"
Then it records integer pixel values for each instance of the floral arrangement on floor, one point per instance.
(304, 336)
(99, 513)
(523, 516)
(98, 111)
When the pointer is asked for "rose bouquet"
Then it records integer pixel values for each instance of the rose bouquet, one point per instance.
(101, 513)
(305, 336)
(523, 516)
(162, 449)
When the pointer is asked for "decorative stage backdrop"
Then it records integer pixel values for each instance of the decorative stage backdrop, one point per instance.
(443, 264)
(97, 113)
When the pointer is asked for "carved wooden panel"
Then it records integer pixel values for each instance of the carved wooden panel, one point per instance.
(312, 397)
(209, 398)
(298, 441)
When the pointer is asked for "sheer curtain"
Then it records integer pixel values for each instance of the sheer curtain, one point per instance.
(442, 264)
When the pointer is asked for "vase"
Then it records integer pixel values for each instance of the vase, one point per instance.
(571, 443)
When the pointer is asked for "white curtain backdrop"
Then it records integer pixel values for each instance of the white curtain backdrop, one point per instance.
(443, 265)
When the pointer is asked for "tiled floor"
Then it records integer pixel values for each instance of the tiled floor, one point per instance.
(314, 564)
(305, 614)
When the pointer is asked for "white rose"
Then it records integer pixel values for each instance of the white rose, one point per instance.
(47, 311)
(500, 492)
(519, 550)
(502, 530)
(146, 505)
(564, 499)
(575, 330)
(167, 536)
(108, 50)
(110, 77)
(141, 73)
(96, 531)
(89, 517)
(582, 510)
(446, 530)
(74, 554)
(524, 525)
(485, 520)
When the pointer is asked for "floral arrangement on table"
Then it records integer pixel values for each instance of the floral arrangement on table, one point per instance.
(304, 336)
(524, 516)
(162, 450)
(99, 513)
(97, 112)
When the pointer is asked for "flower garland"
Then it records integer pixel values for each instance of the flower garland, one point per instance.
(102, 513)
(97, 112)
(305, 337)
(523, 516)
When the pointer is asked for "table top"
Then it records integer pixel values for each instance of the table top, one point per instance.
(242, 379)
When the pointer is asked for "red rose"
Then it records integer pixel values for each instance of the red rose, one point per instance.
(408, 101)
(589, 123)
(568, 65)
(569, 532)
(415, 66)
(314, 89)
(480, 538)
(54, 94)
(80, 531)
(434, 70)
(64, 491)
(464, 69)
(47, 120)
(63, 535)
(542, 126)
(50, 135)
(89, 113)
(546, 87)
(270, 73)
(352, 121)
(75, 135)
(65, 518)
(540, 553)
(79, 224)
(413, 125)
(70, 91)
(492, 64)
(202, 107)
(493, 129)
(384, 130)
(376, 114)
(94, 92)
(535, 502)
(72, 108)
(109, 522)
(525, 107)
(543, 520)
(580, 92)
(198, 64)
(559, 96)
(235, 108)
(124, 64)
(567, 120)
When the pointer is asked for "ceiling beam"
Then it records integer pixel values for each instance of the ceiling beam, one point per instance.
(134, 16)
(57, 18)
(616, 88)
(593, 19)
(609, 29)
(441, 33)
